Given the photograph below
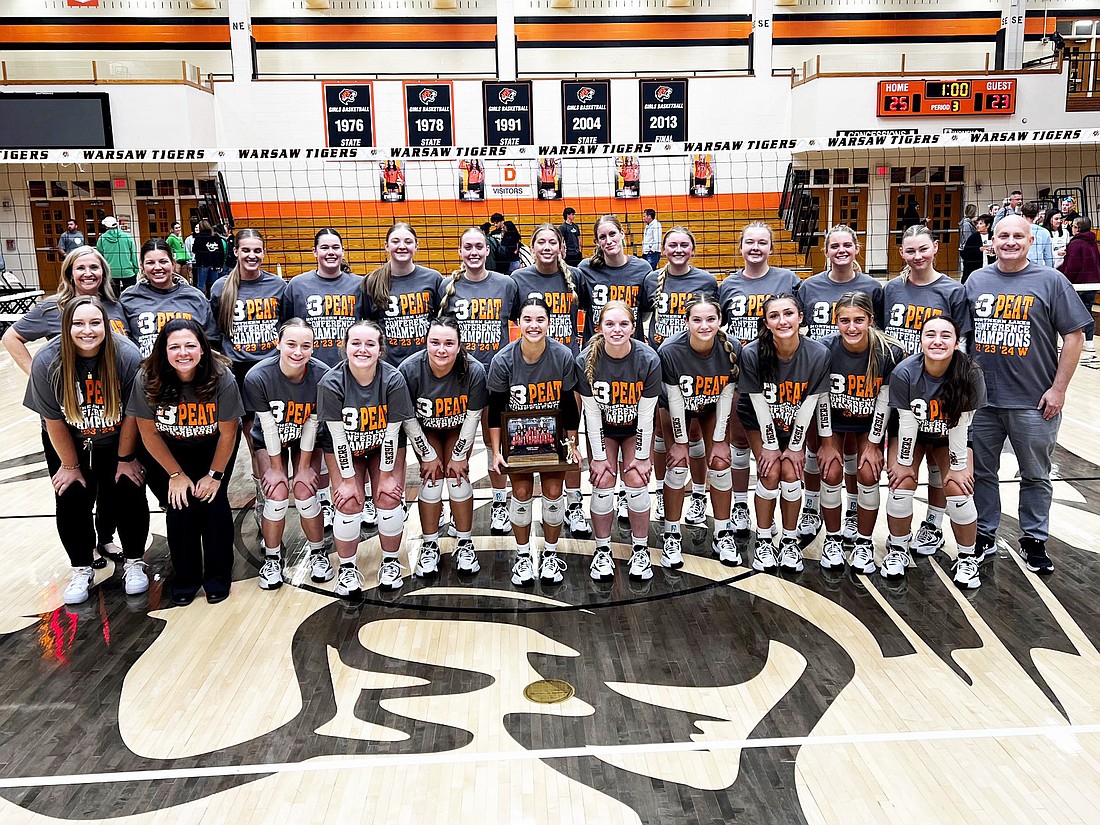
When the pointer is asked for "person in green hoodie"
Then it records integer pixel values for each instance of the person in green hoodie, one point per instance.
(119, 250)
(179, 252)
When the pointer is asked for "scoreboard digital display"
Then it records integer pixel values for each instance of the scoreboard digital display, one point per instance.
(946, 98)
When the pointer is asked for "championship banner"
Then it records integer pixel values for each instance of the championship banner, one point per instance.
(508, 113)
(391, 180)
(664, 111)
(627, 177)
(471, 180)
(429, 114)
(549, 179)
(349, 114)
(586, 111)
(701, 183)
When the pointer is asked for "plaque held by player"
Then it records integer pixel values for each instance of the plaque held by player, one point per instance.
(536, 442)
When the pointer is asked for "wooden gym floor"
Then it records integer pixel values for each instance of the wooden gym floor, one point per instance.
(708, 695)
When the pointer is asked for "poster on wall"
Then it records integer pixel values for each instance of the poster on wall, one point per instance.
(349, 114)
(586, 111)
(508, 113)
(471, 180)
(391, 181)
(627, 177)
(664, 111)
(549, 179)
(701, 184)
(429, 114)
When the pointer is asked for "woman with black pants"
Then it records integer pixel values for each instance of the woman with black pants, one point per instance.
(188, 409)
(80, 383)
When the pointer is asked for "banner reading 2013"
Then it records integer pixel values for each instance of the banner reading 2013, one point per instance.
(664, 111)
(429, 114)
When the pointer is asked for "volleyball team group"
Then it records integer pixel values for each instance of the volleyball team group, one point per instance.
(830, 385)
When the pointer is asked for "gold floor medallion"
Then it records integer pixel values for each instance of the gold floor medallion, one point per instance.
(549, 691)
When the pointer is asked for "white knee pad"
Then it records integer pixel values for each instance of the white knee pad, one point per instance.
(830, 496)
(962, 510)
(697, 449)
(603, 501)
(391, 522)
(459, 490)
(739, 458)
(790, 490)
(637, 499)
(811, 463)
(553, 511)
(721, 480)
(520, 512)
(676, 478)
(851, 465)
(934, 477)
(768, 494)
(868, 496)
(275, 510)
(659, 444)
(345, 527)
(431, 492)
(900, 504)
(309, 508)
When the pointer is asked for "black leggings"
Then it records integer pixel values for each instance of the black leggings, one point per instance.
(74, 507)
(200, 536)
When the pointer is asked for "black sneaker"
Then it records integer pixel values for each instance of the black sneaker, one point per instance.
(985, 548)
(1035, 555)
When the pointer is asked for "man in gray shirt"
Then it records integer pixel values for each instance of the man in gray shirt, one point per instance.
(1019, 309)
(71, 238)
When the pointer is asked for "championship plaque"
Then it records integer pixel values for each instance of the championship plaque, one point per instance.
(536, 442)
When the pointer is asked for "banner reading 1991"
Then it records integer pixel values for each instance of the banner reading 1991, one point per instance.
(429, 114)
(508, 113)
(586, 111)
(664, 111)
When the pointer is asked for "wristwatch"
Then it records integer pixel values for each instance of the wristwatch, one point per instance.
(214, 474)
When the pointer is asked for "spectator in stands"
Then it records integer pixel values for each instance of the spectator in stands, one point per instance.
(1010, 206)
(652, 239)
(1069, 210)
(117, 247)
(571, 234)
(974, 252)
(1060, 232)
(966, 229)
(1041, 251)
(209, 252)
(510, 242)
(189, 244)
(71, 238)
(1082, 266)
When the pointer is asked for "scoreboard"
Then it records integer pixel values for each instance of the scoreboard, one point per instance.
(946, 98)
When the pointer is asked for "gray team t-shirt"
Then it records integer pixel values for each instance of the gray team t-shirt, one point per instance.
(255, 329)
(365, 411)
(911, 388)
(267, 389)
(442, 403)
(907, 306)
(43, 320)
(669, 306)
(563, 305)
(42, 396)
(807, 373)
(414, 301)
(701, 378)
(619, 384)
(328, 305)
(1017, 318)
(819, 294)
(148, 309)
(482, 309)
(188, 418)
(743, 299)
(851, 397)
(537, 386)
(597, 286)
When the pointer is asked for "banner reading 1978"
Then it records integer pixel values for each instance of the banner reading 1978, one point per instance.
(664, 111)
(429, 114)
(349, 114)
(586, 111)
(508, 113)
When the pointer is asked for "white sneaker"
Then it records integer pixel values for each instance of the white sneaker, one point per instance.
(928, 541)
(389, 574)
(77, 591)
(790, 556)
(349, 581)
(550, 568)
(966, 573)
(764, 560)
(672, 554)
(697, 511)
(659, 506)
(832, 553)
(370, 513)
(851, 525)
(602, 568)
(134, 578)
(621, 510)
(641, 568)
(725, 547)
(499, 522)
(742, 523)
(328, 513)
(576, 522)
(809, 524)
(427, 562)
(862, 559)
(1090, 346)
(271, 573)
(465, 557)
(523, 571)
(320, 568)
(895, 562)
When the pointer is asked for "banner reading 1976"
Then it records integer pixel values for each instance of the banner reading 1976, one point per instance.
(429, 114)
(586, 111)
(349, 114)
(508, 113)
(664, 111)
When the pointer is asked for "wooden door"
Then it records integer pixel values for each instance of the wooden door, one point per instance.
(49, 219)
(907, 207)
(844, 205)
(821, 205)
(189, 214)
(89, 215)
(945, 209)
(155, 217)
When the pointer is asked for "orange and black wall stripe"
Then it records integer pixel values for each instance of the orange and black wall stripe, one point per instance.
(113, 33)
(658, 30)
(379, 33)
(897, 27)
